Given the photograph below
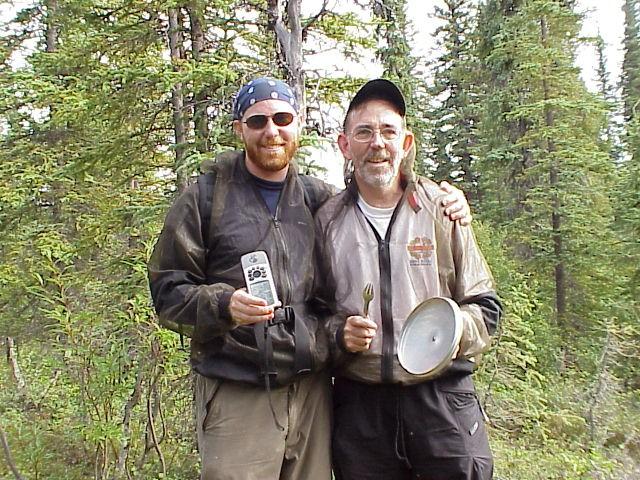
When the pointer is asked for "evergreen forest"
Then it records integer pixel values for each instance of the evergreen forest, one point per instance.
(107, 109)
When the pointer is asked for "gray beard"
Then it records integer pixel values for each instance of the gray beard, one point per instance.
(380, 179)
(377, 178)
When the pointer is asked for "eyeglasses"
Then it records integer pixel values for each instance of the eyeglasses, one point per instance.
(365, 134)
(280, 119)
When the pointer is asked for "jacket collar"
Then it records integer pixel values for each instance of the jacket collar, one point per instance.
(409, 194)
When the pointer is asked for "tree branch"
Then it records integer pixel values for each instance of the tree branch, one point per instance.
(133, 400)
(600, 379)
(13, 365)
(152, 428)
(8, 456)
(314, 19)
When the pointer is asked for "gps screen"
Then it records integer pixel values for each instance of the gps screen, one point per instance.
(263, 290)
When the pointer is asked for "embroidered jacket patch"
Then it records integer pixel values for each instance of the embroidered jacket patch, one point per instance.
(421, 251)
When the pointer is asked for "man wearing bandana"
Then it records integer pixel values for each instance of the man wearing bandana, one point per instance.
(262, 392)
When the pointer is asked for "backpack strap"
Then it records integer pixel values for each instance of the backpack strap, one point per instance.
(310, 193)
(206, 184)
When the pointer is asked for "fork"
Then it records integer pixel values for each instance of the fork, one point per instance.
(367, 296)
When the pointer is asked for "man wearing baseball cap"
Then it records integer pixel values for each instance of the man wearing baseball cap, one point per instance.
(388, 228)
(262, 392)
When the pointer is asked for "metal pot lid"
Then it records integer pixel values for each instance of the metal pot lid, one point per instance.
(430, 337)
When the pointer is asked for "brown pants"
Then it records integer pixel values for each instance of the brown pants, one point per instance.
(238, 438)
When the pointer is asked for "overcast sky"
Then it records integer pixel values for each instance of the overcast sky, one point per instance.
(604, 16)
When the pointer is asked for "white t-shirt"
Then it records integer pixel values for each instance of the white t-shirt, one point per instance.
(379, 217)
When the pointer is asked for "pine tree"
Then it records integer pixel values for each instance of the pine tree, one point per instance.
(612, 129)
(561, 210)
(630, 80)
(629, 217)
(454, 93)
(502, 157)
(629, 191)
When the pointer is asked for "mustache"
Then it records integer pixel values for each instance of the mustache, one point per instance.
(277, 141)
(377, 156)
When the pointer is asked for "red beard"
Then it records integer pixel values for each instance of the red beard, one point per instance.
(273, 161)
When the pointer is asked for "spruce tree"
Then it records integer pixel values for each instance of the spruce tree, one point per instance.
(560, 211)
(629, 191)
(630, 80)
(612, 128)
(453, 96)
(502, 158)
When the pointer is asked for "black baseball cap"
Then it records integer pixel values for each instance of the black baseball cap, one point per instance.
(379, 89)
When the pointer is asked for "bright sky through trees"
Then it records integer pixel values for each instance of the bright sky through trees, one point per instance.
(604, 17)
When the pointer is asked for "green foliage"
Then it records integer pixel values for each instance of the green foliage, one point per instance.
(347, 31)
(559, 207)
(630, 78)
(91, 161)
(547, 184)
(454, 96)
(568, 421)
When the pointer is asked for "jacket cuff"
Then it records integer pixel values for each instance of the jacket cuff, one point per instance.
(223, 305)
(340, 339)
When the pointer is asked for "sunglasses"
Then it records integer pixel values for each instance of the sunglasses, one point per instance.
(280, 119)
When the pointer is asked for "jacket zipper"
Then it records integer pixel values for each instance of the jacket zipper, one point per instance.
(285, 283)
(283, 254)
(386, 302)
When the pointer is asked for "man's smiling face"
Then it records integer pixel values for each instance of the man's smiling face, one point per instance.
(270, 148)
(374, 142)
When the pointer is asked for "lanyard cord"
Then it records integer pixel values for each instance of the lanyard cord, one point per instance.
(268, 348)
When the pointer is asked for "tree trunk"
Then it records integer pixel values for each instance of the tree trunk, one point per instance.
(200, 117)
(51, 134)
(8, 456)
(52, 29)
(133, 400)
(289, 47)
(177, 97)
(556, 218)
(14, 367)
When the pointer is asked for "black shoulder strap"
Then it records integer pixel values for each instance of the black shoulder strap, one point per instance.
(310, 193)
(206, 183)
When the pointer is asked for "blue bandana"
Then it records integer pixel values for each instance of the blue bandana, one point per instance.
(263, 88)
